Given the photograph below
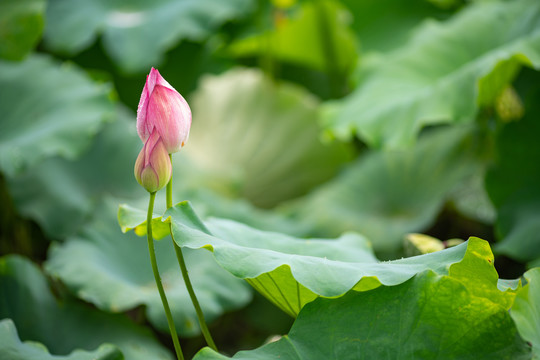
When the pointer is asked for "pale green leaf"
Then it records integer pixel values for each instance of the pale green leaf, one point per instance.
(60, 194)
(388, 194)
(291, 271)
(47, 110)
(136, 34)
(442, 74)
(526, 310)
(257, 139)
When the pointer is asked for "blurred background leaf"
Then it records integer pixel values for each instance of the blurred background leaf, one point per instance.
(512, 181)
(47, 110)
(385, 195)
(13, 349)
(21, 25)
(314, 34)
(66, 325)
(136, 34)
(383, 25)
(60, 194)
(433, 78)
(259, 140)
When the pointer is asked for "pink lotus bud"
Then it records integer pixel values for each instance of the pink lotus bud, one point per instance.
(153, 167)
(162, 108)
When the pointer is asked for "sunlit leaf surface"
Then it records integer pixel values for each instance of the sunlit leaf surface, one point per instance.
(427, 317)
(21, 24)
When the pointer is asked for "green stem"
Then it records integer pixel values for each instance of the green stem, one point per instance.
(153, 261)
(326, 32)
(185, 275)
(266, 59)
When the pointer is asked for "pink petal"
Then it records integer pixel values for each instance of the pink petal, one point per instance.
(149, 146)
(155, 78)
(143, 128)
(160, 80)
(169, 112)
(152, 80)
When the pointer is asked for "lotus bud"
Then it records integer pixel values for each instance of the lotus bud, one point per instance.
(153, 167)
(163, 109)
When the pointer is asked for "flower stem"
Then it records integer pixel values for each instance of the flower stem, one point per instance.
(153, 261)
(185, 275)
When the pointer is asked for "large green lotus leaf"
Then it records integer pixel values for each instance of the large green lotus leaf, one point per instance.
(258, 139)
(316, 35)
(387, 194)
(112, 270)
(293, 294)
(136, 34)
(526, 310)
(292, 272)
(21, 24)
(12, 348)
(427, 317)
(47, 110)
(60, 194)
(63, 326)
(442, 74)
(512, 183)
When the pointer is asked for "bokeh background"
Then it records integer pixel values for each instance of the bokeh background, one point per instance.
(310, 118)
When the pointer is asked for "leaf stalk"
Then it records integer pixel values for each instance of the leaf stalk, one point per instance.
(157, 278)
(185, 275)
